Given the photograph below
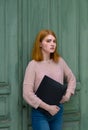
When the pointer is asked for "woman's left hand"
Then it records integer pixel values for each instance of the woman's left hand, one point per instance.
(66, 97)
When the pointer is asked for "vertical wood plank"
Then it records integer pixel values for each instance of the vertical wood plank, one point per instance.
(84, 62)
(9, 65)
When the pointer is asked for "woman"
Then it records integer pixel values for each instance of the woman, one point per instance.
(46, 61)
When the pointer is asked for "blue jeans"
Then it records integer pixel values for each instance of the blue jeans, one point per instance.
(43, 122)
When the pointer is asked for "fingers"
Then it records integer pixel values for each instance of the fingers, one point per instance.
(57, 108)
(65, 99)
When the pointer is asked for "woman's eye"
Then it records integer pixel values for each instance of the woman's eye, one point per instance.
(48, 40)
(54, 41)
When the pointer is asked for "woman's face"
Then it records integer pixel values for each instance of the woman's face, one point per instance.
(48, 44)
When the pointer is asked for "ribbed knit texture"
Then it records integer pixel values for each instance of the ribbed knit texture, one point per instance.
(35, 72)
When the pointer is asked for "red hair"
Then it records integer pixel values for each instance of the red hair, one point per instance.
(37, 53)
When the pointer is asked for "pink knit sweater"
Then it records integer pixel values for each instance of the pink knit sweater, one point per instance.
(35, 72)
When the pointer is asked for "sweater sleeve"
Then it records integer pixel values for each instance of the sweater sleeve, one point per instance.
(28, 86)
(71, 80)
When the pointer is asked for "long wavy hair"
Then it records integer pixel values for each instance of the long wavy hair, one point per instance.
(37, 53)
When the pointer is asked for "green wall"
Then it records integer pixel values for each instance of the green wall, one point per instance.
(19, 23)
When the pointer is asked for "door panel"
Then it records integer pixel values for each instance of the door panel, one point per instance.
(64, 18)
(19, 23)
(9, 66)
(84, 62)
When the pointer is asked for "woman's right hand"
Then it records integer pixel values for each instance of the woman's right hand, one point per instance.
(53, 109)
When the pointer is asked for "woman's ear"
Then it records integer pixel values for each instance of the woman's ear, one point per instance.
(40, 44)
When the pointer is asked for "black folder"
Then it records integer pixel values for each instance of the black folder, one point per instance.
(50, 91)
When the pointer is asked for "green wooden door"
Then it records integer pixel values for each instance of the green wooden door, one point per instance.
(20, 20)
(69, 20)
(10, 110)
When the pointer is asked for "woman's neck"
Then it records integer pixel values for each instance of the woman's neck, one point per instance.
(46, 57)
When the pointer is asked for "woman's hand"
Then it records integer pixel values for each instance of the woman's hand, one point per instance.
(53, 109)
(66, 97)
